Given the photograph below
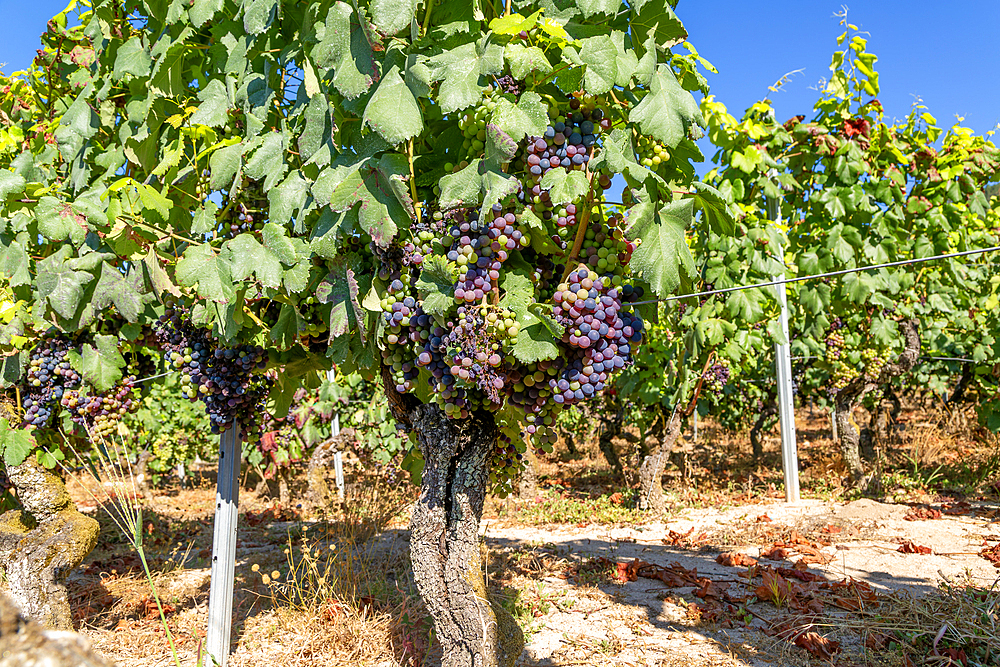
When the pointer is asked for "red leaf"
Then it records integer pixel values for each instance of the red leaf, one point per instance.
(735, 559)
(818, 645)
(908, 547)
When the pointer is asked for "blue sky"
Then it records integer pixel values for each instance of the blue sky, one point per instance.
(948, 54)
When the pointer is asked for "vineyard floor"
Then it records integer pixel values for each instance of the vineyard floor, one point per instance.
(729, 576)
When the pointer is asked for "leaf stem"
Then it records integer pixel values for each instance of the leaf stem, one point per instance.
(427, 19)
(413, 180)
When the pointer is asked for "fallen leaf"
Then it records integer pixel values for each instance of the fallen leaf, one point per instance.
(922, 513)
(830, 529)
(992, 554)
(908, 547)
(710, 589)
(735, 559)
(763, 518)
(774, 552)
(818, 645)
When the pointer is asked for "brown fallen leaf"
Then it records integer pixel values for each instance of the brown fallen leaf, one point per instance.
(922, 514)
(774, 552)
(774, 589)
(831, 529)
(711, 590)
(908, 547)
(763, 518)
(992, 554)
(818, 645)
(735, 559)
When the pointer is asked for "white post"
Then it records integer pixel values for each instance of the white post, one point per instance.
(696, 426)
(338, 460)
(786, 403)
(338, 457)
(220, 597)
(833, 422)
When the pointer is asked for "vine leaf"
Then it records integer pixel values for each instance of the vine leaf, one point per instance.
(224, 164)
(247, 257)
(458, 71)
(591, 7)
(345, 49)
(600, 55)
(523, 60)
(287, 198)
(667, 110)
(10, 184)
(285, 332)
(61, 284)
(158, 277)
(657, 18)
(535, 341)
(200, 267)
(719, 213)
(391, 16)
(268, 161)
(379, 187)
(436, 285)
(15, 264)
(528, 117)
(340, 288)
(565, 186)
(202, 11)
(57, 221)
(663, 250)
(258, 14)
(500, 148)
(393, 111)
(125, 292)
(214, 108)
(15, 443)
(132, 58)
(101, 365)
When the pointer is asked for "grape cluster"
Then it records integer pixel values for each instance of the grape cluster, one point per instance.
(567, 143)
(202, 187)
(716, 376)
(605, 247)
(508, 84)
(224, 379)
(843, 374)
(479, 249)
(835, 341)
(100, 414)
(874, 362)
(505, 461)
(651, 152)
(315, 324)
(49, 377)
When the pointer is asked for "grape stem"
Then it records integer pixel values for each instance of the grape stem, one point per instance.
(581, 230)
(409, 157)
(423, 30)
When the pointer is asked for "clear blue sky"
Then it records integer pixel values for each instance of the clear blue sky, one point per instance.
(947, 53)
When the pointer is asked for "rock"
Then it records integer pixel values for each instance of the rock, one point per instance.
(24, 643)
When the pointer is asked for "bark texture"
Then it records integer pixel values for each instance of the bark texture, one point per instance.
(651, 470)
(42, 542)
(850, 397)
(24, 643)
(474, 631)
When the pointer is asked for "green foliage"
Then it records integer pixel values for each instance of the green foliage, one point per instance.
(172, 428)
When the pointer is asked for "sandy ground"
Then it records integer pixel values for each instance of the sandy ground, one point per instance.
(644, 622)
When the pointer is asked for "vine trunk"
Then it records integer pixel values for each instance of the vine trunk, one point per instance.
(474, 631)
(651, 470)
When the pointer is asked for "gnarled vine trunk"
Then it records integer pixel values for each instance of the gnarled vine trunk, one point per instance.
(41, 543)
(527, 485)
(474, 631)
(24, 644)
(850, 397)
(651, 470)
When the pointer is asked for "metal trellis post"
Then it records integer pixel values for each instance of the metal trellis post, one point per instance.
(338, 457)
(786, 403)
(220, 598)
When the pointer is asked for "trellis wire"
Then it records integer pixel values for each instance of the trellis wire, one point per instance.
(905, 262)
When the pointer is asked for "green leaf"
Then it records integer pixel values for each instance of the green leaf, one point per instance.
(720, 214)
(15, 443)
(534, 340)
(663, 251)
(78, 124)
(126, 292)
(500, 148)
(657, 17)
(224, 164)
(100, 366)
(340, 288)
(288, 198)
(278, 243)
(458, 71)
(600, 56)
(344, 48)
(246, 257)
(523, 60)
(15, 264)
(10, 184)
(528, 117)
(258, 14)
(268, 161)
(391, 16)
(60, 284)
(211, 273)
(591, 7)
(205, 221)
(285, 332)
(667, 110)
(381, 189)
(214, 108)
(158, 278)
(393, 111)
(436, 285)
(202, 11)
(132, 58)
(565, 186)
